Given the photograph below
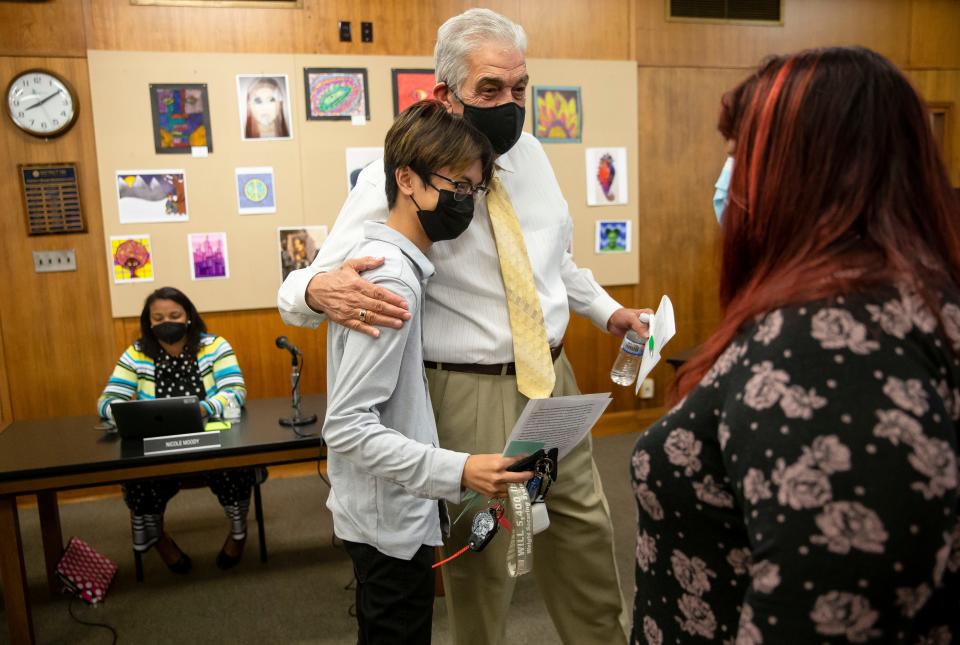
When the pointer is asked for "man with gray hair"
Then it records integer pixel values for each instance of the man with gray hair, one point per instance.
(493, 325)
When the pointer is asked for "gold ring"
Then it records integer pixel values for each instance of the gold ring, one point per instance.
(363, 315)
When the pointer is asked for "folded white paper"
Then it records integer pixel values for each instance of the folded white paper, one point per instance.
(662, 329)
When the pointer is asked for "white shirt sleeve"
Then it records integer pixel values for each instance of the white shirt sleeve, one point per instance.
(367, 201)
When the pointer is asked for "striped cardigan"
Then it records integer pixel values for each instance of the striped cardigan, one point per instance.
(133, 377)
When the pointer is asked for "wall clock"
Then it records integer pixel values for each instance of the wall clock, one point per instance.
(41, 103)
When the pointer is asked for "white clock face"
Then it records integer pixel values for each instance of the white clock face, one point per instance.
(40, 103)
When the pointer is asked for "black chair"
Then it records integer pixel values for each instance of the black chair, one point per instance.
(199, 482)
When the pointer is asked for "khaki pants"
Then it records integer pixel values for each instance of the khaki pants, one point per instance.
(573, 560)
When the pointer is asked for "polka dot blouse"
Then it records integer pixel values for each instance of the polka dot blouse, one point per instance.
(178, 376)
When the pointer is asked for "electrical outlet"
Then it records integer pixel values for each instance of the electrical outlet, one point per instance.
(51, 261)
(345, 35)
(646, 389)
(366, 32)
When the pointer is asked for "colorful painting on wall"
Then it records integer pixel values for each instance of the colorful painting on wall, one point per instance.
(152, 196)
(410, 86)
(606, 176)
(255, 191)
(264, 102)
(208, 256)
(131, 258)
(181, 118)
(299, 247)
(336, 94)
(613, 237)
(557, 114)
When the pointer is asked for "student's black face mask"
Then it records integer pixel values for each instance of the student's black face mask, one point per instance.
(170, 332)
(449, 219)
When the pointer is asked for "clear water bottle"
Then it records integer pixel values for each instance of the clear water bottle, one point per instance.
(232, 411)
(627, 365)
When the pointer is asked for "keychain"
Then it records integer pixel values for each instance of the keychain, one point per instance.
(485, 523)
(482, 529)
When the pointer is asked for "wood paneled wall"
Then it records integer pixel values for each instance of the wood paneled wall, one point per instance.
(943, 86)
(57, 336)
(882, 25)
(58, 341)
(403, 27)
(684, 68)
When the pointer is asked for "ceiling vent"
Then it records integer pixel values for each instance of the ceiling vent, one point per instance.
(760, 11)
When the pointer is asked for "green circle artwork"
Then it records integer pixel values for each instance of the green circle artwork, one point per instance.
(255, 190)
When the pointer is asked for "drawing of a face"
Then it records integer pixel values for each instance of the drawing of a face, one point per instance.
(264, 106)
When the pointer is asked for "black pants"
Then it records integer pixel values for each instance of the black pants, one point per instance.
(394, 596)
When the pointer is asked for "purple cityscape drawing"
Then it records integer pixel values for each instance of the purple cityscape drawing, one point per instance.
(208, 256)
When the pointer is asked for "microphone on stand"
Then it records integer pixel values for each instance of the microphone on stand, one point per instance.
(283, 343)
(296, 420)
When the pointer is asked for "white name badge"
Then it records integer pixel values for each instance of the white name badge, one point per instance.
(181, 442)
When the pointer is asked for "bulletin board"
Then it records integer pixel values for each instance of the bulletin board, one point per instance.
(309, 169)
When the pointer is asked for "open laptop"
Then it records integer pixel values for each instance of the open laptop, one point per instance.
(157, 417)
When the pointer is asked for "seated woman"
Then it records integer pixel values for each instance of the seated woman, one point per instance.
(175, 356)
(805, 488)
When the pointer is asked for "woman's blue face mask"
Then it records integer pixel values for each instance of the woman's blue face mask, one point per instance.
(721, 194)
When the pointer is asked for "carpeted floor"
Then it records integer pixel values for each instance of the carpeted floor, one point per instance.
(298, 596)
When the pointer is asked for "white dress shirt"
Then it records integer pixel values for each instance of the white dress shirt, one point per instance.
(465, 316)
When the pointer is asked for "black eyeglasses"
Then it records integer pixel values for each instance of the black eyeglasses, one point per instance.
(463, 189)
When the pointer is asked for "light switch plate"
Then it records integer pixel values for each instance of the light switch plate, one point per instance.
(51, 261)
(646, 389)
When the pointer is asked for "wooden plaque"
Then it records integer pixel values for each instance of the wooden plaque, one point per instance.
(51, 198)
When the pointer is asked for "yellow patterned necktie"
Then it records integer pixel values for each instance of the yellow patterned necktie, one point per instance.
(531, 351)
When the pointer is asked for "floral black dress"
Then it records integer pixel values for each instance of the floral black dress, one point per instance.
(807, 489)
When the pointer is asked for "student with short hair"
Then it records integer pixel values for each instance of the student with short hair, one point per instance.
(386, 469)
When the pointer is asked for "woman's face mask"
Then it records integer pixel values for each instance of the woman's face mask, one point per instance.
(170, 332)
(722, 193)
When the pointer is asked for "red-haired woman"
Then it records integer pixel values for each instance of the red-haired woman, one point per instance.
(804, 488)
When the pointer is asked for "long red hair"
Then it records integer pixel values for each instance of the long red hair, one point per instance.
(837, 187)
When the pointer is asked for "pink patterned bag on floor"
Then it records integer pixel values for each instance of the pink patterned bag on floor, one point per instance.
(85, 572)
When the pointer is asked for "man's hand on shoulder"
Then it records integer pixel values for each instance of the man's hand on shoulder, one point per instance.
(342, 294)
(623, 320)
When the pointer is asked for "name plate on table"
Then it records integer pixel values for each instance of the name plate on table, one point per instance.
(181, 442)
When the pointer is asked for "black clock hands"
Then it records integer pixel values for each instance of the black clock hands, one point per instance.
(41, 102)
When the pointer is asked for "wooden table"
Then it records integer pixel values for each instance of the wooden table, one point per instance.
(45, 456)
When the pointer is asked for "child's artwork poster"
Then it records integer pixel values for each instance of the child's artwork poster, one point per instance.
(299, 247)
(336, 94)
(256, 192)
(557, 114)
(131, 258)
(150, 196)
(181, 118)
(613, 237)
(606, 176)
(357, 160)
(411, 86)
(264, 103)
(208, 256)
